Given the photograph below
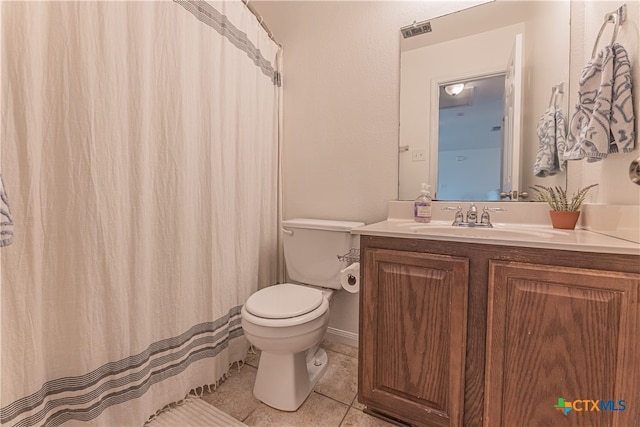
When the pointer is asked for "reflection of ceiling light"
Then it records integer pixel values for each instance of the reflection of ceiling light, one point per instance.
(455, 89)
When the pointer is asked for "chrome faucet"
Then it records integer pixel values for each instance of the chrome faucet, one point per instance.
(472, 216)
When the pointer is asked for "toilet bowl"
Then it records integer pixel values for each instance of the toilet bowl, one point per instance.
(291, 362)
(288, 321)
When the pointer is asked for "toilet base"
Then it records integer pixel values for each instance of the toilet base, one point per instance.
(285, 380)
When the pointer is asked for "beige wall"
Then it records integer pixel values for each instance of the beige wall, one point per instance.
(341, 108)
(341, 102)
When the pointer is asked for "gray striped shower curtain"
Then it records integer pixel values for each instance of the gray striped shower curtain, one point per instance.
(139, 148)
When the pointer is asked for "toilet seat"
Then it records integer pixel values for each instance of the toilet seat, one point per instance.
(284, 301)
(306, 306)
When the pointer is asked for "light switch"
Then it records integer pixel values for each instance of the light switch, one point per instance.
(418, 155)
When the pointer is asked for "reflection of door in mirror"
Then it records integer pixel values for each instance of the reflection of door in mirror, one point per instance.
(512, 121)
(470, 138)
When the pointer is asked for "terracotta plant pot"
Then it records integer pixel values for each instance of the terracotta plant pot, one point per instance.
(565, 220)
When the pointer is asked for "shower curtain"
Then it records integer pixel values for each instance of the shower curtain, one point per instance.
(140, 155)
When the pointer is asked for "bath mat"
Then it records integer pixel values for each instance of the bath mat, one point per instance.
(194, 413)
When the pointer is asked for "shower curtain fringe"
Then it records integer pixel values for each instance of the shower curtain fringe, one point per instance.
(197, 392)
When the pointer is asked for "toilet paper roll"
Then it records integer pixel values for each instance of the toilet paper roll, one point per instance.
(350, 278)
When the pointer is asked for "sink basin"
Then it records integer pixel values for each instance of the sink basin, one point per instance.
(487, 233)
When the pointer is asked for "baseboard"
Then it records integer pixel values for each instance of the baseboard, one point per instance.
(343, 337)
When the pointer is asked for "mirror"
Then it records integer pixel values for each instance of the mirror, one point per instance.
(525, 42)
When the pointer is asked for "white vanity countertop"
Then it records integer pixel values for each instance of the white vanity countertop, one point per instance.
(573, 240)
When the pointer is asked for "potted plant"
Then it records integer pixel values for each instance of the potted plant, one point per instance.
(564, 210)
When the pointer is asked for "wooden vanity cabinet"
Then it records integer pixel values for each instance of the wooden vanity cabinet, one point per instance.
(466, 334)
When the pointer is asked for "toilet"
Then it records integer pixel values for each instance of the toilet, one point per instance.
(288, 321)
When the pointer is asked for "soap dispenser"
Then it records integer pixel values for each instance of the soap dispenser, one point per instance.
(422, 205)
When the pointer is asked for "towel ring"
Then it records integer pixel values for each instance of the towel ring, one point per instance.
(617, 17)
(555, 91)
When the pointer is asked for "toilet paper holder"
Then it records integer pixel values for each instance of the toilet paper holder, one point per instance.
(352, 256)
(352, 280)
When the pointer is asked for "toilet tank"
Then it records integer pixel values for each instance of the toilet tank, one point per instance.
(311, 249)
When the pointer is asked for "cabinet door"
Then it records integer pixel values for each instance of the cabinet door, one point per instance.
(557, 338)
(413, 329)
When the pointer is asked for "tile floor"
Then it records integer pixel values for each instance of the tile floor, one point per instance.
(333, 402)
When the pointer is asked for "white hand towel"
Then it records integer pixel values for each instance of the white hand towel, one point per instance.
(6, 223)
(553, 139)
(603, 122)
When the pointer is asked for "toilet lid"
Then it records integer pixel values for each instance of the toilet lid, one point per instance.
(284, 301)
